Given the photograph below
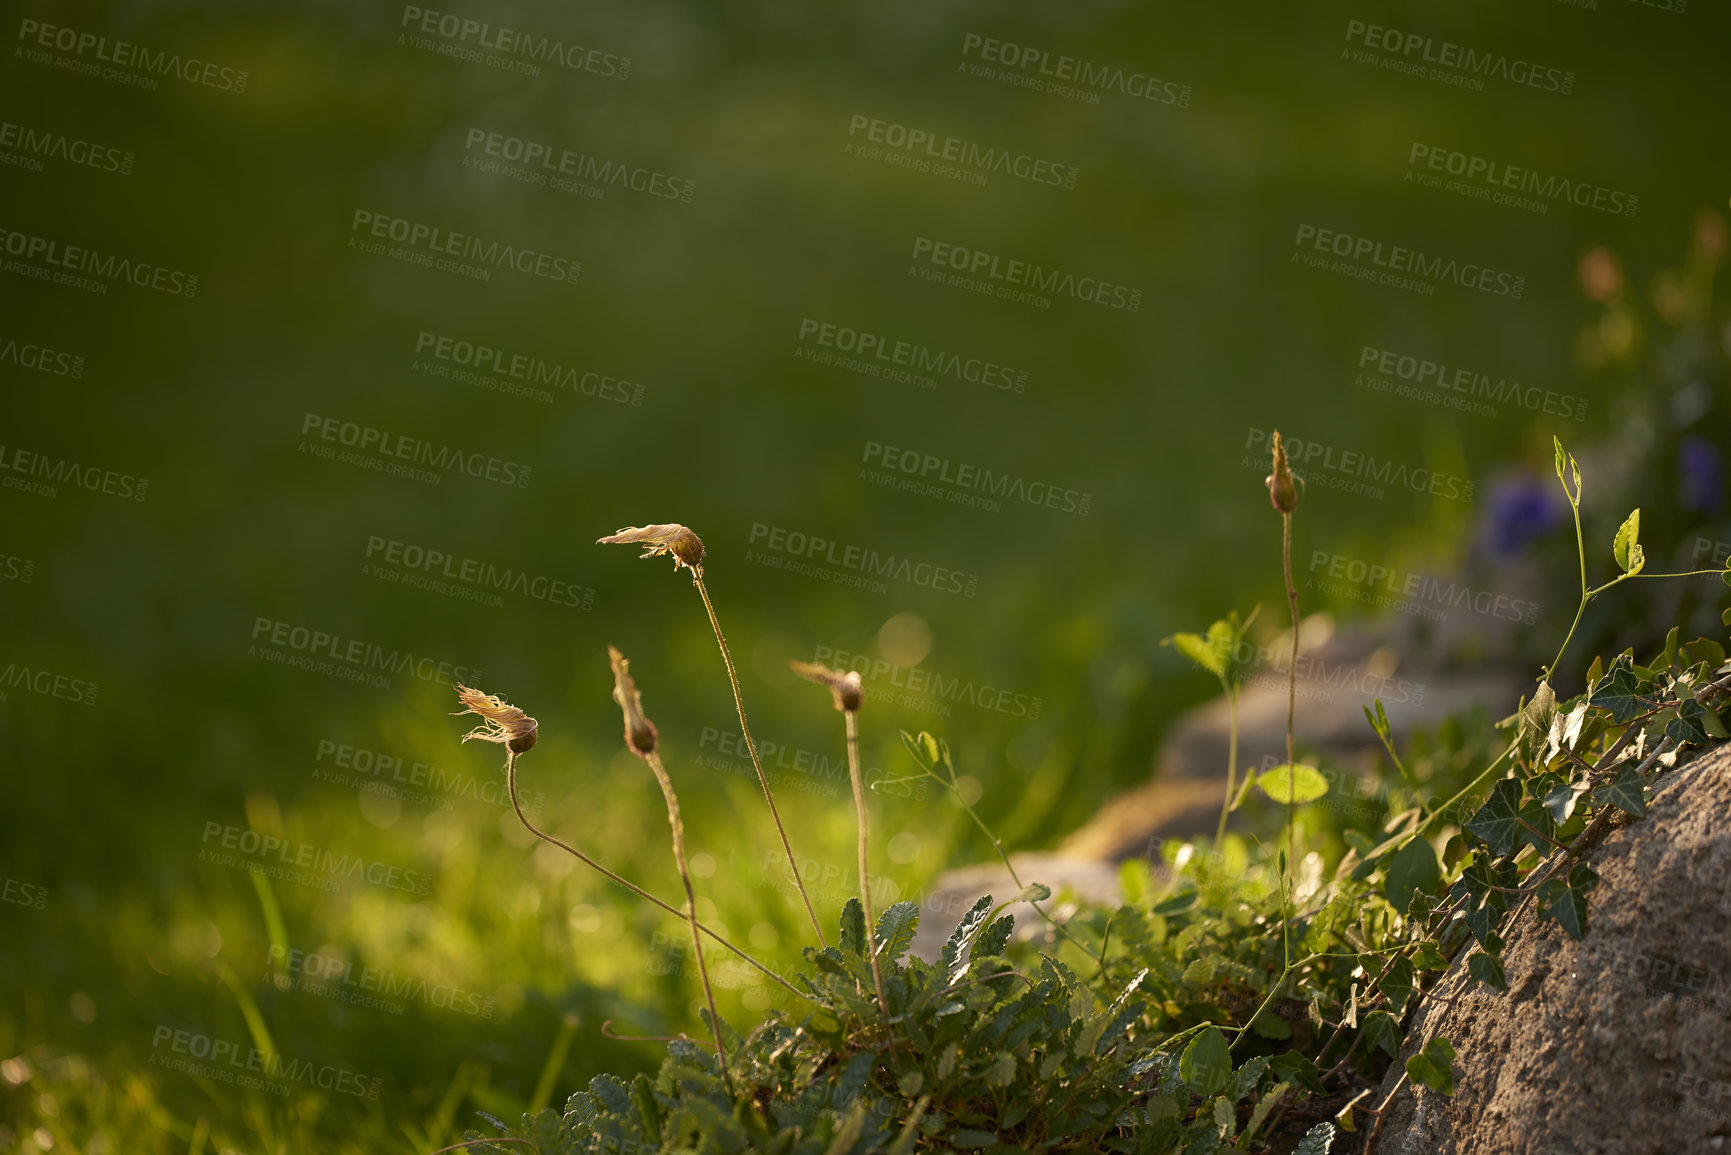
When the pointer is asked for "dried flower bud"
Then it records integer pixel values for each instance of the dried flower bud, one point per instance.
(845, 687)
(502, 722)
(640, 732)
(685, 547)
(1282, 489)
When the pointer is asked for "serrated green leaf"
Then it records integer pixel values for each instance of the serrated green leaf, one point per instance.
(993, 939)
(895, 930)
(853, 927)
(1498, 821)
(1565, 900)
(952, 961)
(1381, 1030)
(1411, 868)
(1488, 969)
(1623, 546)
(1317, 1141)
(1207, 1063)
(1293, 783)
(1259, 1114)
(1002, 1072)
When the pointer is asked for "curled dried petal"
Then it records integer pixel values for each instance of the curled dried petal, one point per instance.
(640, 732)
(685, 547)
(844, 686)
(501, 722)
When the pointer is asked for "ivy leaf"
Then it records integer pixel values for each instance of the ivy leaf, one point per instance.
(1381, 1030)
(1498, 821)
(1397, 984)
(895, 931)
(1488, 969)
(1536, 718)
(1411, 868)
(1621, 695)
(1560, 801)
(1316, 1141)
(1293, 783)
(853, 927)
(1627, 792)
(1429, 957)
(1625, 548)
(1432, 1066)
(1207, 1063)
(1293, 1067)
(1690, 724)
(950, 961)
(1537, 829)
(1566, 900)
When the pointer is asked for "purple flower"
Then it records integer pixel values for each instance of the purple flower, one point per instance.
(1700, 475)
(1519, 511)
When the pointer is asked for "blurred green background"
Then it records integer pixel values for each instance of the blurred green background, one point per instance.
(700, 306)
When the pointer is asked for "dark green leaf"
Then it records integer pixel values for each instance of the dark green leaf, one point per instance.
(1412, 867)
(1537, 828)
(1498, 821)
(1317, 1141)
(1620, 694)
(1487, 968)
(1381, 1030)
(1293, 1067)
(993, 938)
(1429, 957)
(895, 930)
(1433, 1066)
(1627, 792)
(1398, 984)
(853, 927)
(1207, 1063)
(1566, 900)
(970, 1139)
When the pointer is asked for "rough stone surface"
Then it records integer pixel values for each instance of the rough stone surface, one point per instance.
(1616, 1045)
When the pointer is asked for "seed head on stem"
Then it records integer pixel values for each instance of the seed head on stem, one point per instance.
(686, 549)
(641, 739)
(844, 688)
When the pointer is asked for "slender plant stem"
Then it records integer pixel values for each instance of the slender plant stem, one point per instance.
(677, 825)
(1231, 757)
(865, 896)
(1291, 703)
(751, 746)
(1014, 877)
(511, 786)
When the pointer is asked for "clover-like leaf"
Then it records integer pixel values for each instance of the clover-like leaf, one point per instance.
(1207, 1063)
(1565, 900)
(1498, 821)
(1293, 783)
